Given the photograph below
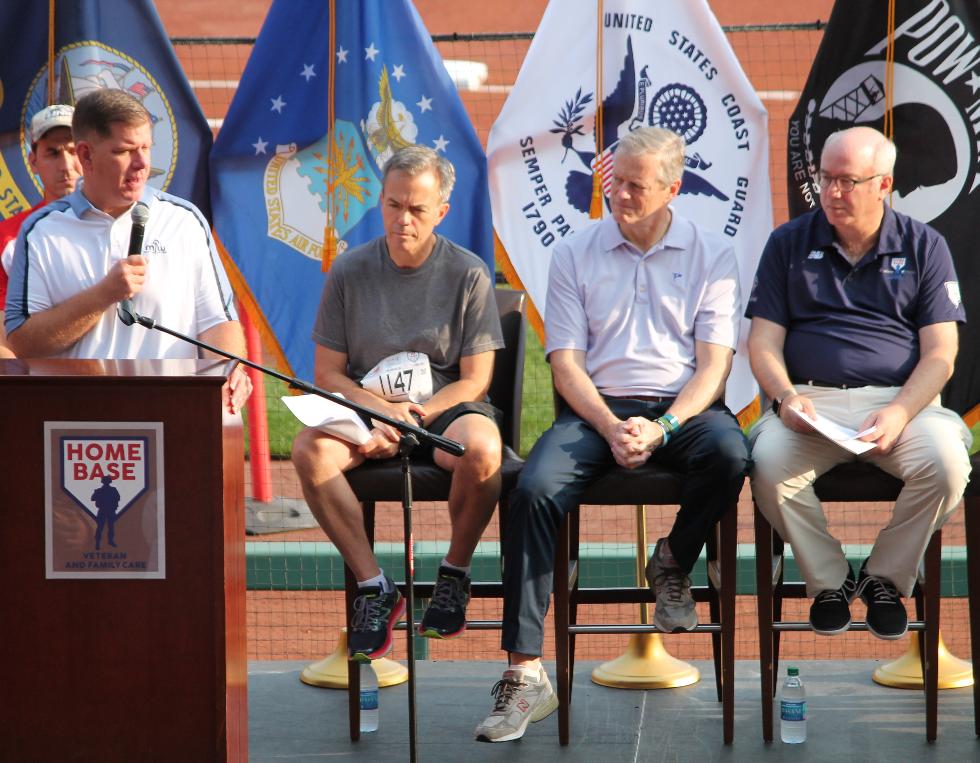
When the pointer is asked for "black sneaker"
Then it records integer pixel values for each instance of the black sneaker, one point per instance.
(887, 617)
(830, 612)
(375, 614)
(445, 617)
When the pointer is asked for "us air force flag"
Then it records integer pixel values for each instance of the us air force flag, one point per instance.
(936, 108)
(270, 161)
(665, 64)
(117, 44)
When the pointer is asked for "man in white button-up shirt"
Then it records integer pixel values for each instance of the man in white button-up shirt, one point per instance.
(70, 267)
(641, 324)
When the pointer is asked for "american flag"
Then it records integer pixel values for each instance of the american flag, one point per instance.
(603, 164)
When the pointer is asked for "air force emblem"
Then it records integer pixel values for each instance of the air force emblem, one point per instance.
(341, 172)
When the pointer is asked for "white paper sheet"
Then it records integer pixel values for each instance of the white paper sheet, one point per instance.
(316, 411)
(845, 437)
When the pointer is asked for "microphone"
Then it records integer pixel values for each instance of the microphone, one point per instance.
(140, 215)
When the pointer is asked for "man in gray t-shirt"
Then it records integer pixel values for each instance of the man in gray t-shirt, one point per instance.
(371, 308)
(408, 291)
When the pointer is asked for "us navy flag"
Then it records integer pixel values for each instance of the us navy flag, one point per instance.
(117, 44)
(936, 108)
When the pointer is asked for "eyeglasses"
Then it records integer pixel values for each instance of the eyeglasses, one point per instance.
(844, 184)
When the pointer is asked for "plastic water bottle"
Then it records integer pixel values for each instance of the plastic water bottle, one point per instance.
(792, 709)
(370, 709)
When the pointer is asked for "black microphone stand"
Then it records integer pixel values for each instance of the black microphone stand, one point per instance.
(410, 438)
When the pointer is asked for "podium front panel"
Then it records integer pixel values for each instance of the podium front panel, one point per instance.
(116, 669)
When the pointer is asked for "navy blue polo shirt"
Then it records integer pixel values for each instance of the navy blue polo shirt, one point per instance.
(855, 325)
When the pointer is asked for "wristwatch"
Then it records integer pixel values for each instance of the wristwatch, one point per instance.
(777, 401)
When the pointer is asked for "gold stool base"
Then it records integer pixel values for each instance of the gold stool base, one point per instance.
(331, 671)
(646, 664)
(906, 671)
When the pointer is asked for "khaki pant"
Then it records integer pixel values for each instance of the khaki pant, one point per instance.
(930, 457)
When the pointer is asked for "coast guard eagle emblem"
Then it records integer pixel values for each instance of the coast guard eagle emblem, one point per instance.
(675, 106)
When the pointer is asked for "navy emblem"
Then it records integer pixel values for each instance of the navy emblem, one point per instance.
(90, 65)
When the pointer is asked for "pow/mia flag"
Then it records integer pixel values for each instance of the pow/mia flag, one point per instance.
(936, 107)
(665, 64)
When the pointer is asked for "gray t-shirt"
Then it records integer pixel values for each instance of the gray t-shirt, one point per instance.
(371, 309)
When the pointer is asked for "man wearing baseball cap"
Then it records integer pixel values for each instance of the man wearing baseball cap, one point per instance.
(52, 158)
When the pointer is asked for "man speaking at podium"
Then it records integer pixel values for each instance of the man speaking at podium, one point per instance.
(72, 263)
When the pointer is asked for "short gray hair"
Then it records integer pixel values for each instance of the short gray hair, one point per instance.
(665, 144)
(883, 150)
(414, 160)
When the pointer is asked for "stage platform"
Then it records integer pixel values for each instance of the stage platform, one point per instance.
(851, 719)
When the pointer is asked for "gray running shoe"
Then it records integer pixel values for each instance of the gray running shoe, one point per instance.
(675, 611)
(375, 614)
(518, 700)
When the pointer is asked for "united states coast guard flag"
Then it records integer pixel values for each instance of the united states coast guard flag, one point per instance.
(118, 44)
(270, 161)
(935, 102)
(665, 64)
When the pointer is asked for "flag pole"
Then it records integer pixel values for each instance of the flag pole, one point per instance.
(329, 238)
(258, 423)
(646, 663)
(596, 206)
(50, 52)
(889, 120)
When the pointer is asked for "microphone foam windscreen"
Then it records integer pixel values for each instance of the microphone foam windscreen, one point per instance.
(140, 214)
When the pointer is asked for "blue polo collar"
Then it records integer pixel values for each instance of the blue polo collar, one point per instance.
(889, 239)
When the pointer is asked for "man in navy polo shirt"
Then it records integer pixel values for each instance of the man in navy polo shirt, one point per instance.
(854, 314)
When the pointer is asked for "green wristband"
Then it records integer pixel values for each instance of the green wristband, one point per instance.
(670, 423)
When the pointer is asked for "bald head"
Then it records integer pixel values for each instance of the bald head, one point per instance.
(856, 168)
(862, 144)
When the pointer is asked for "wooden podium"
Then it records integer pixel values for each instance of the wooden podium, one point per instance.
(124, 669)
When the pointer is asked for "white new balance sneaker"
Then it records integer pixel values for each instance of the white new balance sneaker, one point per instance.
(519, 698)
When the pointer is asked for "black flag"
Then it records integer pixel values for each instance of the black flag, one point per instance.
(936, 110)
